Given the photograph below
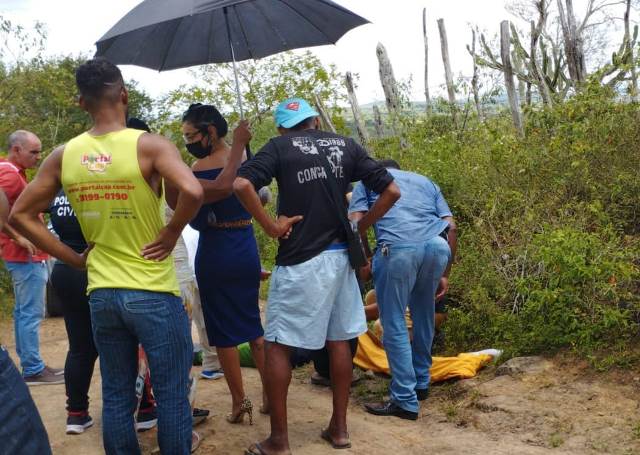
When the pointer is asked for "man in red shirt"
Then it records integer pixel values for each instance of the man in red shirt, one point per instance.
(25, 264)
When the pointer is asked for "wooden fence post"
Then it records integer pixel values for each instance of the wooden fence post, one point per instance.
(324, 115)
(377, 122)
(426, 61)
(448, 75)
(474, 80)
(505, 52)
(390, 87)
(355, 108)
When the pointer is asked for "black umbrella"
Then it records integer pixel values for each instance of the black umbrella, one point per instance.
(170, 34)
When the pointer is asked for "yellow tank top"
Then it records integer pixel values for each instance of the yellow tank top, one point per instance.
(117, 210)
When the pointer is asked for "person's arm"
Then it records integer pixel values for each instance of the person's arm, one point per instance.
(35, 199)
(10, 182)
(255, 174)
(372, 312)
(19, 239)
(377, 179)
(452, 238)
(222, 186)
(358, 207)
(246, 193)
(382, 205)
(167, 162)
(4, 209)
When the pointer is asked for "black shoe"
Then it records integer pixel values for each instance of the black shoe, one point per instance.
(76, 424)
(146, 420)
(317, 379)
(199, 415)
(423, 394)
(389, 408)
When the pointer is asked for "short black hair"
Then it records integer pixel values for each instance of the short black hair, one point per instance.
(97, 79)
(303, 125)
(138, 124)
(393, 164)
(202, 115)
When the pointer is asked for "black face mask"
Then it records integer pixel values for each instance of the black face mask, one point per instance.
(197, 150)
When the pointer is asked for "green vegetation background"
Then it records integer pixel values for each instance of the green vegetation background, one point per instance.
(549, 224)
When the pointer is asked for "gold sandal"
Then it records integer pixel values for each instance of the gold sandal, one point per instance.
(246, 407)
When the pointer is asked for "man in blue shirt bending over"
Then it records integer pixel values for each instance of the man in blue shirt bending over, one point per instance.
(416, 243)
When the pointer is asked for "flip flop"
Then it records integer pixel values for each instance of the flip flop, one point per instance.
(255, 449)
(327, 437)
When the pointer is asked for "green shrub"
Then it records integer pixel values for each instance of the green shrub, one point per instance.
(549, 251)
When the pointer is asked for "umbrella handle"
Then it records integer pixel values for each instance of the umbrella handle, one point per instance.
(233, 59)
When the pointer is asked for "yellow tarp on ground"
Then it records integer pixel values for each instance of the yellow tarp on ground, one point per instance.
(371, 356)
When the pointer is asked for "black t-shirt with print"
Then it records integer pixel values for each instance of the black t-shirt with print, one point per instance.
(295, 161)
(65, 223)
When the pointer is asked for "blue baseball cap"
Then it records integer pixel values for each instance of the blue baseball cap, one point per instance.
(293, 111)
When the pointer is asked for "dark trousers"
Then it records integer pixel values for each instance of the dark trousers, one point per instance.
(321, 359)
(71, 286)
(21, 428)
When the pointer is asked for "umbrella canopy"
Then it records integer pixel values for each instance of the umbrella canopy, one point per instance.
(170, 34)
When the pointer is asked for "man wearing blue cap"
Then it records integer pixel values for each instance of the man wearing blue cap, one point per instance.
(314, 299)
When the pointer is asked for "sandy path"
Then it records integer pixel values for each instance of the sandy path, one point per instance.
(498, 416)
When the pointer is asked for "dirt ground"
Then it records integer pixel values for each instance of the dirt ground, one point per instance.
(566, 409)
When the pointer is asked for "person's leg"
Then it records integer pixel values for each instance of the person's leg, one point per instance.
(147, 402)
(146, 417)
(230, 362)
(277, 379)
(347, 322)
(29, 284)
(21, 428)
(395, 276)
(298, 313)
(210, 361)
(422, 306)
(321, 363)
(118, 351)
(257, 352)
(71, 287)
(341, 365)
(160, 322)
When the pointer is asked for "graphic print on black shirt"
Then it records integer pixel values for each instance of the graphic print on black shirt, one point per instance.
(65, 223)
(296, 162)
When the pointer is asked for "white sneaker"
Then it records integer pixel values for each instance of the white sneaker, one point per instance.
(77, 424)
(211, 374)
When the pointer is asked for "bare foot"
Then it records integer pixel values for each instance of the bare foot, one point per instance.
(337, 439)
(267, 447)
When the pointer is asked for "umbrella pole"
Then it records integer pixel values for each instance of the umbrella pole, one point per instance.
(235, 68)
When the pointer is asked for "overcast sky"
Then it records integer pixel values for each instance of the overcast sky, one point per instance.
(73, 26)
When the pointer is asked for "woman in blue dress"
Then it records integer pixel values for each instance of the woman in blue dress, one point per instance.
(227, 264)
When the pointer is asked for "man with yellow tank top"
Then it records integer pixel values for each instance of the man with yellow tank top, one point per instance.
(113, 179)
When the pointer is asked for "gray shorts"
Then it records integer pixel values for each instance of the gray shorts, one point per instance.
(315, 301)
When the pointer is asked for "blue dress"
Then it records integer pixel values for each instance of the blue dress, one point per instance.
(228, 271)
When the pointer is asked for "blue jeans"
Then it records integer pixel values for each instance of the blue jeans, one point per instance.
(121, 319)
(21, 429)
(409, 275)
(29, 284)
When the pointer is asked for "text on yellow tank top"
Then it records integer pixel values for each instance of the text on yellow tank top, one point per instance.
(117, 210)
